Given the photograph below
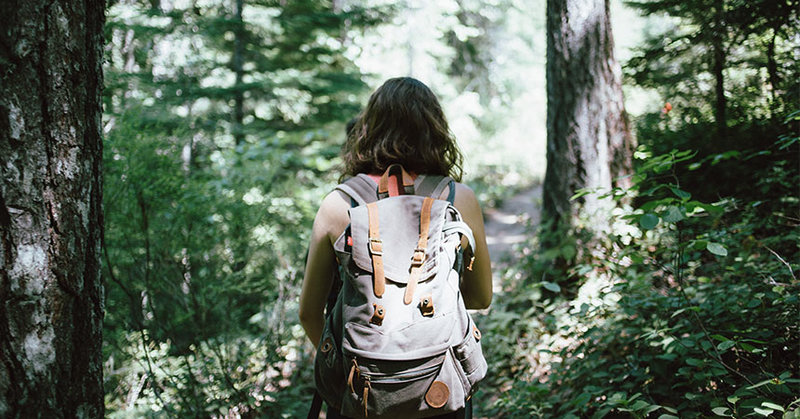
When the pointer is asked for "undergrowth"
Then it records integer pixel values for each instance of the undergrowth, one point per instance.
(687, 308)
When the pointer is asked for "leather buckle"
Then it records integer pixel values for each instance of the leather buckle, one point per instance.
(418, 258)
(376, 246)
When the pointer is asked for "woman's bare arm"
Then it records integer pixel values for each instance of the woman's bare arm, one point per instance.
(330, 221)
(476, 286)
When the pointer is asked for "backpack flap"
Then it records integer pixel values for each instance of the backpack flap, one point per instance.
(398, 226)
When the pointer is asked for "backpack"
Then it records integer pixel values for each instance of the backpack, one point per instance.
(399, 341)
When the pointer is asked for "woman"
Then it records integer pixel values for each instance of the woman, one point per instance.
(402, 123)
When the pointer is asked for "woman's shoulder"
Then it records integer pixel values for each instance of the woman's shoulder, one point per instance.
(332, 214)
(464, 190)
(464, 195)
(465, 199)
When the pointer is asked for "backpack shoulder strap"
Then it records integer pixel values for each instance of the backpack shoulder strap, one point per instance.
(433, 186)
(360, 188)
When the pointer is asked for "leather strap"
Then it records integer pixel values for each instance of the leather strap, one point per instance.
(376, 250)
(352, 375)
(418, 259)
(408, 182)
(367, 387)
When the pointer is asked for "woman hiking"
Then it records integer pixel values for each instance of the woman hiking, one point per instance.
(401, 136)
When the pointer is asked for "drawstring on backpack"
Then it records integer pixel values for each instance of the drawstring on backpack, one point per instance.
(354, 375)
(367, 388)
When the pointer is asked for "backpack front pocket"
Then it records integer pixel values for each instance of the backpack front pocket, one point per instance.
(393, 389)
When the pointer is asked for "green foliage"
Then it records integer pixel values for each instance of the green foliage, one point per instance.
(215, 161)
(747, 43)
(689, 306)
(208, 211)
(691, 311)
(223, 129)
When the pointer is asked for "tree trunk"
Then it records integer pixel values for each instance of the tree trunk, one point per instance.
(238, 69)
(719, 75)
(589, 144)
(51, 295)
(772, 68)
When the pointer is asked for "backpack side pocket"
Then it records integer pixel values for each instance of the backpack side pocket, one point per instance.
(470, 358)
(328, 369)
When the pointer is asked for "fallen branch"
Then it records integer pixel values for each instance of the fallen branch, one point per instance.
(782, 261)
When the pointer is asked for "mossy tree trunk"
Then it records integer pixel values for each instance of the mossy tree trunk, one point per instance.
(51, 295)
(589, 144)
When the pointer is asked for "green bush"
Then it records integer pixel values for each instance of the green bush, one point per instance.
(691, 312)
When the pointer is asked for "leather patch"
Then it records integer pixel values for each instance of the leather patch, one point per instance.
(377, 315)
(437, 395)
(426, 305)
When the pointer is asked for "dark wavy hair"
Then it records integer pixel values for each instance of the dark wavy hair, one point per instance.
(402, 123)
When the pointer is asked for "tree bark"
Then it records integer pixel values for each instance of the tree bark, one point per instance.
(589, 144)
(718, 47)
(238, 69)
(51, 295)
(772, 69)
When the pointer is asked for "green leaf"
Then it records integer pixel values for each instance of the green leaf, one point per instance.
(717, 249)
(694, 362)
(651, 409)
(550, 286)
(666, 416)
(724, 346)
(772, 406)
(581, 192)
(759, 384)
(673, 214)
(721, 411)
(749, 348)
(568, 252)
(680, 193)
(582, 399)
(763, 412)
(648, 221)
(670, 409)
(733, 399)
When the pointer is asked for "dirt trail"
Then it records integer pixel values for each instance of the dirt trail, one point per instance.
(506, 226)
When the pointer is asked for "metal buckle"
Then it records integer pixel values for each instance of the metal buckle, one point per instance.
(372, 242)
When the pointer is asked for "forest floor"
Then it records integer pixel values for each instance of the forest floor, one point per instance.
(510, 224)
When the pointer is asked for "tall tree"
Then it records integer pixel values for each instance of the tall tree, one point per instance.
(589, 144)
(722, 39)
(51, 295)
(216, 132)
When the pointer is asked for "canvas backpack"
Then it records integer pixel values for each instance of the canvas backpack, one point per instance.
(399, 342)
